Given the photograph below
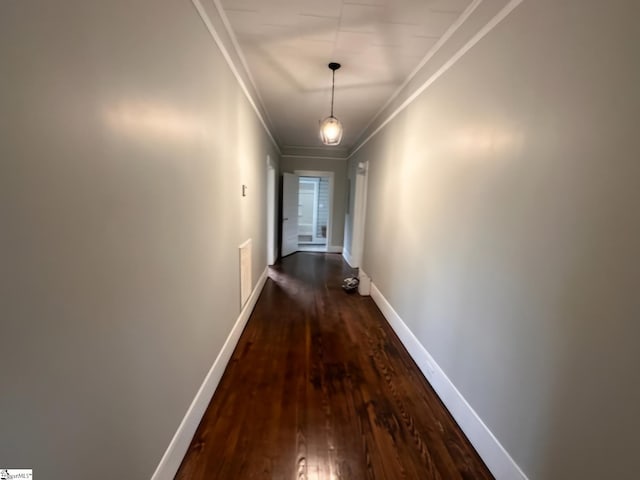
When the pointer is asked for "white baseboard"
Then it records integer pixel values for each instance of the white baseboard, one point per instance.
(172, 458)
(498, 460)
(334, 249)
(347, 257)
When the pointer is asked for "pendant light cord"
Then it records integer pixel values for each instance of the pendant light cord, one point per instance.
(333, 86)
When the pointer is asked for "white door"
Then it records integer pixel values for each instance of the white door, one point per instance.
(289, 213)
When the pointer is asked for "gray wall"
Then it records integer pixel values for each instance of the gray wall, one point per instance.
(503, 226)
(124, 140)
(339, 169)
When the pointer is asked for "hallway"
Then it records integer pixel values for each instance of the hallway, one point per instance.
(319, 387)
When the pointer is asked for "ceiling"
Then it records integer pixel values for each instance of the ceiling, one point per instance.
(287, 44)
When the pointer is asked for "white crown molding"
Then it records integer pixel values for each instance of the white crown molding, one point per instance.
(314, 157)
(490, 25)
(234, 69)
(432, 51)
(243, 60)
(328, 153)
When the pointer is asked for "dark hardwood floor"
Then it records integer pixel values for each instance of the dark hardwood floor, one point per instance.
(319, 387)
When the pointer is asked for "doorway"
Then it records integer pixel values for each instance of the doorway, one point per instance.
(313, 211)
(315, 192)
(307, 200)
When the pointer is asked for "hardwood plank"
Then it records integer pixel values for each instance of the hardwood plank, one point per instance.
(320, 387)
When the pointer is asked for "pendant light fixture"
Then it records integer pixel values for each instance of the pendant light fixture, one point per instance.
(330, 127)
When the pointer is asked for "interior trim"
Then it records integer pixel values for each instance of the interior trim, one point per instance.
(243, 60)
(453, 28)
(501, 15)
(315, 152)
(497, 459)
(173, 456)
(347, 257)
(225, 53)
(315, 157)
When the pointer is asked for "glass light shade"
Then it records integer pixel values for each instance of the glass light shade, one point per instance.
(331, 131)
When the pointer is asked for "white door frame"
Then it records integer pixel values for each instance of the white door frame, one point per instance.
(290, 184)
(271, 213)
(359, 213)
(330, 176)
